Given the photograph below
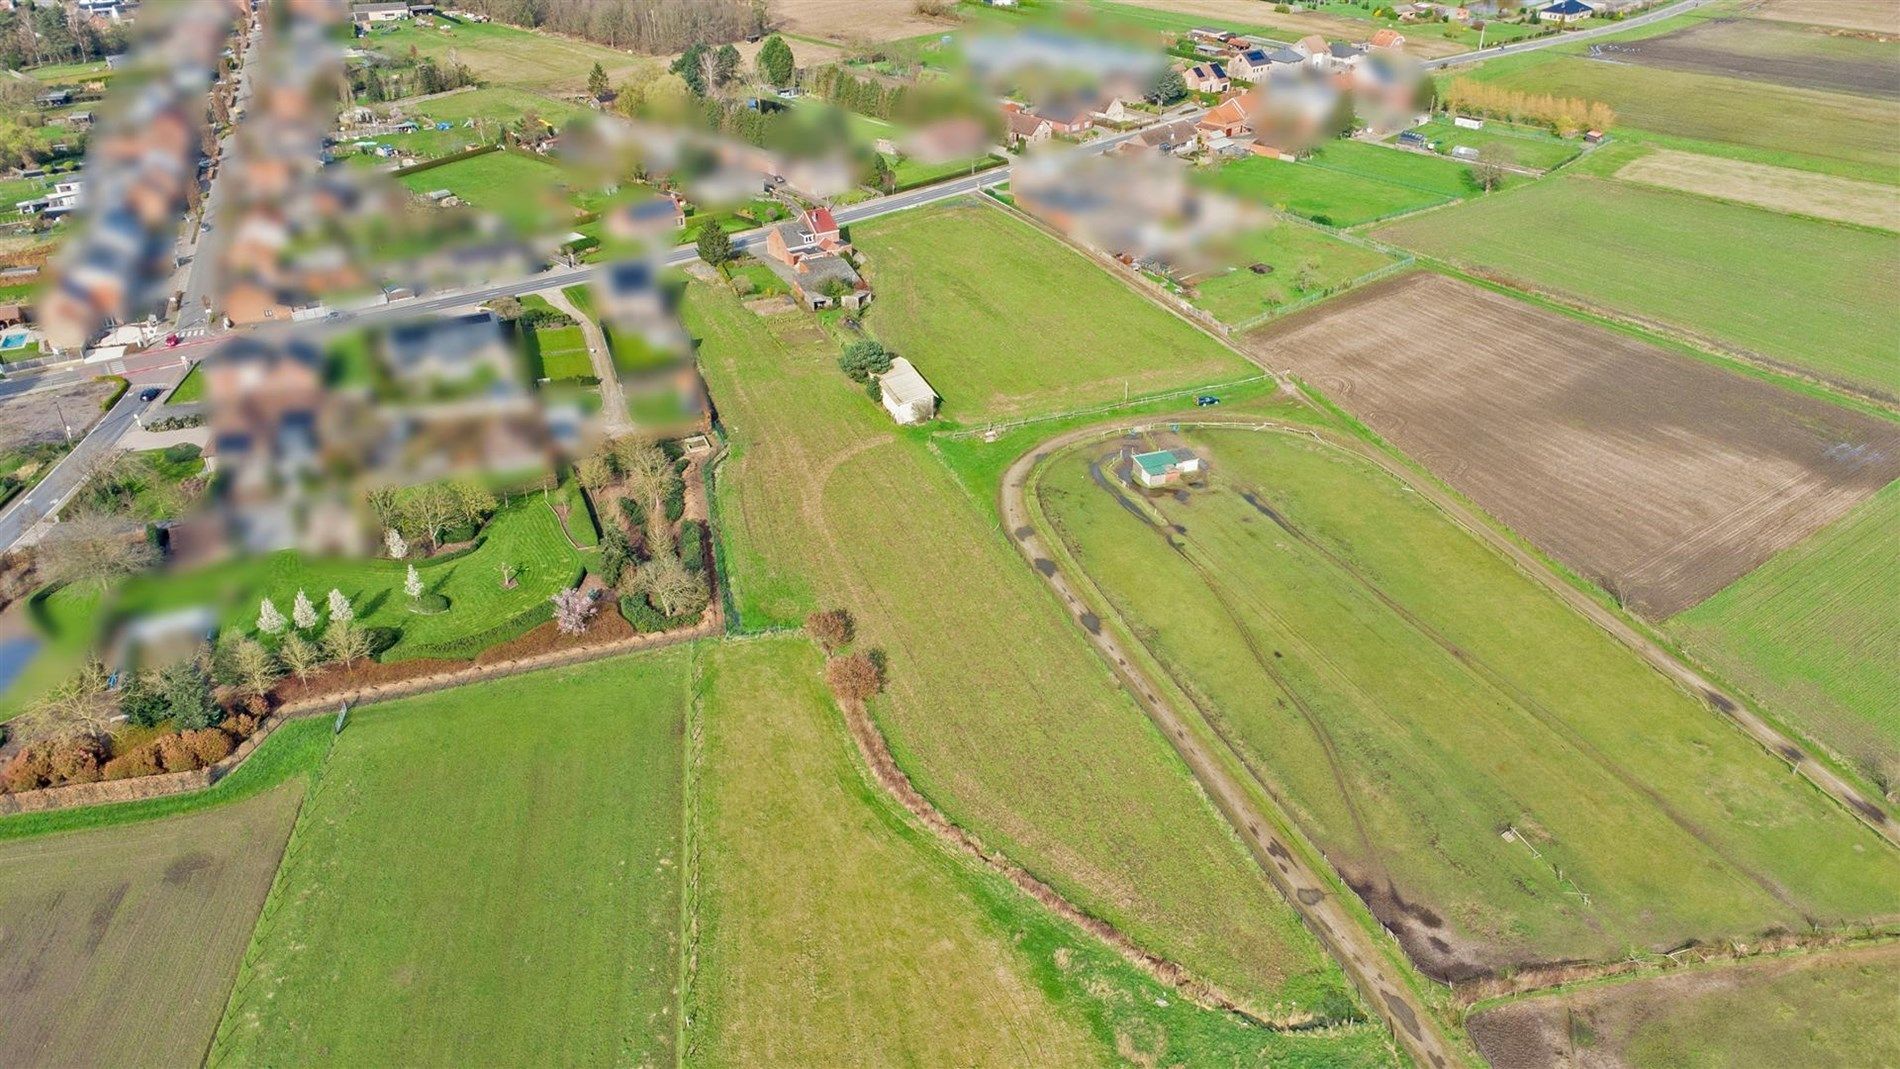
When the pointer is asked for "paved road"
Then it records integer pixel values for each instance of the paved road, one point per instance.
(1572, 37)
(208, 248)
(29, 508)
(1245, 806)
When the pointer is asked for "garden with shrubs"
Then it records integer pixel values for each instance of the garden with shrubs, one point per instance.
(464, 567)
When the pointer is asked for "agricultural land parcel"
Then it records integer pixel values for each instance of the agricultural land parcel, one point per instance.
(527, 191)
(1812, 633)
(1049, 760)
(1336, 21)
(1408, 714)
(1655, 474)
(491, 108)
(1834, 1009)
(505, 55)
(1004, 322)
(1833, 133)
(1239, 295)
(528, 912)
(1347, 183)
(834, 930)
(1654, 254)
(1806, 57)
(1781, 189)
(121, 942)
(1538, 150)
(1877, 16)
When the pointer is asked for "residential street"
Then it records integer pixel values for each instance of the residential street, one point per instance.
(1605, 30)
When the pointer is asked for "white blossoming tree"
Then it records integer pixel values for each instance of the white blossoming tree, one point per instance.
(340, 610)
(393, 541)
(412, 583)
(269, 620)
(302, 613)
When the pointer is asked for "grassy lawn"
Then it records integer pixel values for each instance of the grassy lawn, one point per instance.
(141, 925)
(505, 56)
(1532, 148)
(1811, 634)
(1240, 295)
(528, 192)
(525, 534)
(491, 875)
(1322, 193)
(833, 929)
(559, 353)
(1039, 329)
(1836, 133)
(190, 389)
(821, 502)
(1409, 715)
(912, 173)
(1413, 170)
(1807, 294)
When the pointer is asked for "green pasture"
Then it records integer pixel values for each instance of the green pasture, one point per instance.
(1812, 632)
(808, 514)
(486, 874)
(528, 192)
(1238, 294)
(506, 56)
(1528, 147)
(1810, 295)
(1039, 329)
(1324, 194)
(1412, 698)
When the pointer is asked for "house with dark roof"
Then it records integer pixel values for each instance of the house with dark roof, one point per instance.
(1564, 12)
(1251, 65)
(808, 254)
(1206, 78)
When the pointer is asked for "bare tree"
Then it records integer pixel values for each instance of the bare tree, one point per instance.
(672, 589)
(345, 642)
(94, 549)
(254, 667)
(1493, 161)
(300, 655)
(79, 705)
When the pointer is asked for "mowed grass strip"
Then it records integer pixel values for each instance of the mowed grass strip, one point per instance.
(1812, 634)
(995, 707)
(1781, 189)
(486, 875)
(832, 931)
(1412, 713)
(1005, 321)
(121, 942)
(1832, 1008)
(1810, 295)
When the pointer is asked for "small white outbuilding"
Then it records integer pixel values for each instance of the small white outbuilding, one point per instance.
(907, 397)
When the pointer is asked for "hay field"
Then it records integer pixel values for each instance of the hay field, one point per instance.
(852, 22)
(488, 874)
(120, 943)
(1658, 476)
(1047, 760)
(1832, 1009)
(1005, 321)
(1495, 776)
(1812, 635)
(1781, 189)
(1873, 16)
(1809, 295)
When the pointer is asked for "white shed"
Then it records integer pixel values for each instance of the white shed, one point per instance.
(907, 397)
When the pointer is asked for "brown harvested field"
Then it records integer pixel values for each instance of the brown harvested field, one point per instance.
(1808, 57)
(1822, 1009)
(118, 946)
(1296, 24)
(1781, 189)
(852, 21)
(1873, 16)
(1655, 474)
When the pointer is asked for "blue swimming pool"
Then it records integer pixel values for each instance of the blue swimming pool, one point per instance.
(13, 340)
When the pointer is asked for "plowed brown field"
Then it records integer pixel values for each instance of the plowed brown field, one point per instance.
(1656, 475)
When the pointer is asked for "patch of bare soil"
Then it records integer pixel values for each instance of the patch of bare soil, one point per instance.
(1736, 48)
(851, 22)
(1874, 16)
(1660, 477)
(28, 419)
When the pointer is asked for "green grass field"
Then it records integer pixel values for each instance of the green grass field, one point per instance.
(1528, 147)
(1239, 295)
(822, 503)
(834, 930)
(1835, 133)
(525, 534)
(531, 194)
(190, 389)
(484, 875)
(1812, 633)
(1038, 329)
(1323, 194)
(1411, 696)
(1810, 295)
(506, 56)
(559, 353)
(122, 941)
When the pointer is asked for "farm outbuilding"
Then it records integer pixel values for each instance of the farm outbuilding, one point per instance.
(906, 396)
(1165, 467)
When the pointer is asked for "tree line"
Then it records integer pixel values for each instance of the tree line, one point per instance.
(651, 26)
(1567, 116)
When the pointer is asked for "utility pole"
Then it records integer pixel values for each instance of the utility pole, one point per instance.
(62, 420)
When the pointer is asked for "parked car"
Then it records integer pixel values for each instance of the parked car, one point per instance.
(1206, 399)
(149, 393)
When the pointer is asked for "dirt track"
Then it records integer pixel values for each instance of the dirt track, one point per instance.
(1656, 475)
